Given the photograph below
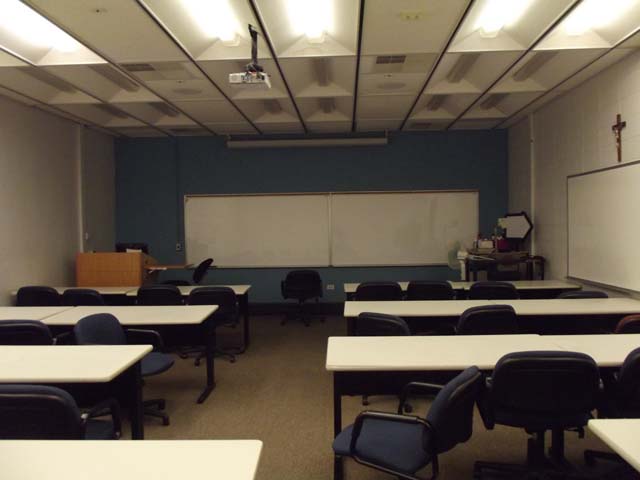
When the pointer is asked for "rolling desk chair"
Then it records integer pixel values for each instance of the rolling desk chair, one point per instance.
(24, 332)
(493, 291)
(539, 391)
(198, 275)
(379, 325)
(38, 296)
(227, 313)
(39, 412)
(104, 329)
(628, 324)
(159, 295)
(301, 285)
(75, 297)
(430, 290)
(403, 445)
(583, 294)
(488, 320)
(378, 291)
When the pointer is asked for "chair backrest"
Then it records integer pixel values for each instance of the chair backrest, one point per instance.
(24, 332)
(302, 284)
(201, 270)
(380, 325)
(38, 412)
(493, 291)
(99, 329)
(378, 291)
(224, 297)
(583, 294)
(159, 295)
(488, 320)
(430, 290)
(628, 324)
(626, 397)
(75, 297)
(541, 390)
(38, 296)
(451, 413)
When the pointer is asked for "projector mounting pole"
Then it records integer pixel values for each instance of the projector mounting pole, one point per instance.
(253, 66)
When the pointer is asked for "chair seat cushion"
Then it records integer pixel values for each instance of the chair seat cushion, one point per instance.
(155, 363)
(396, 446)
(99, 430)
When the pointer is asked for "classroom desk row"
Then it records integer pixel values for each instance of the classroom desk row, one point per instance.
(117, 296)
(191, 322)
(526, 288)
(383, 365)
(422, 312)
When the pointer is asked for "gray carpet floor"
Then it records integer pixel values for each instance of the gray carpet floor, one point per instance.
(279, 392)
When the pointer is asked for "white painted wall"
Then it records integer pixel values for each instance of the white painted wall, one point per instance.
(40, 196)
(572, 134)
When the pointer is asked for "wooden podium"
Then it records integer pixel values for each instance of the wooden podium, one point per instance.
(111, 269)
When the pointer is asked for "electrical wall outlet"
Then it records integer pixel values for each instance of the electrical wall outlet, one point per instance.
(178, 246)
(331, 286)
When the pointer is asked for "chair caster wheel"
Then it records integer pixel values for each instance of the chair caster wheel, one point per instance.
(233, 360)
(165, 422)
(197, 363)
(408, 408)
(162, 404)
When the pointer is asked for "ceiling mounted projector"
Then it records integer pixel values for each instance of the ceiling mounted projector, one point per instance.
(254, 75)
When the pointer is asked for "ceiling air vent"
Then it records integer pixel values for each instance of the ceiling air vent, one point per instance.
(387, 59)
(139, 67)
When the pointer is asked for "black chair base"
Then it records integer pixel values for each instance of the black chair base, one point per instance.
(154, 408)
(198, 353)
(301, 315)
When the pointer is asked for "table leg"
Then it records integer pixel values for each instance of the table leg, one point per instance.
(136, 411)
(210, 348)
(337, 426)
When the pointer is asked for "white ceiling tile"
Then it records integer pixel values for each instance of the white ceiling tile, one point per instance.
(378, 125)
(381, 107)
(139, 132)
(232, 128)
(329, 127)
(326, 109)
(210, 111)
(320, 76)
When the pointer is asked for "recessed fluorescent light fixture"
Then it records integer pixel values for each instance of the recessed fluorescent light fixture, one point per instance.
(311, 18)
(30, 27)
(215, 18)
(595, 14)
(498, 14)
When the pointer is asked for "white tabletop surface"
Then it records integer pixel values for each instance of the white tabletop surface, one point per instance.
(621, 435)
(100, 290)
(129, 460)
(186, 290)
(519, 284)
(426, 352)
(606, 350)
(29, 313)
(67, 364)
(138, 315)
(434, 308)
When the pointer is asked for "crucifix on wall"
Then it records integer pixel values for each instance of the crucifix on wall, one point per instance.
(617, 132)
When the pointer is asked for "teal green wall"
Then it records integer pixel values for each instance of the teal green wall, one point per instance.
(154, 174)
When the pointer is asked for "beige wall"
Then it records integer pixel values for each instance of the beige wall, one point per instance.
(572, 134)
(40, 186)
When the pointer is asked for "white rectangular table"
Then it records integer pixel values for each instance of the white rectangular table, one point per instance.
(181, 316)
(29, 313)
(96, 364)
(127, 460)
(606, 350)
(621, 435)
(100, 290)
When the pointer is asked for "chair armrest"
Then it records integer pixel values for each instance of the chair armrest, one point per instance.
(282, 289)
(387, 417)
(137, 336)
(65, 338)
(485, 405)
(426, 389)
(110, 405)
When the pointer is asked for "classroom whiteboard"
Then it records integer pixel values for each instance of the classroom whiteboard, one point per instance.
(410, 228)
(603, 228)
(329, 229)
(258, 230)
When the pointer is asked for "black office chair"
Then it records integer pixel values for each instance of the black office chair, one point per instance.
(539, 391)
(38, 296)
(402, 445)
(488, 320)
(75, 297)
(38, 412)
(378, 291)
(227, 314)
(159, 295)
(430, 290)
(24, 332)
(301, 285)
(104, 329)
(379, 325)
(621, 400)
(198, 275)
(583, 294)
(628, 324)
(493, 291)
